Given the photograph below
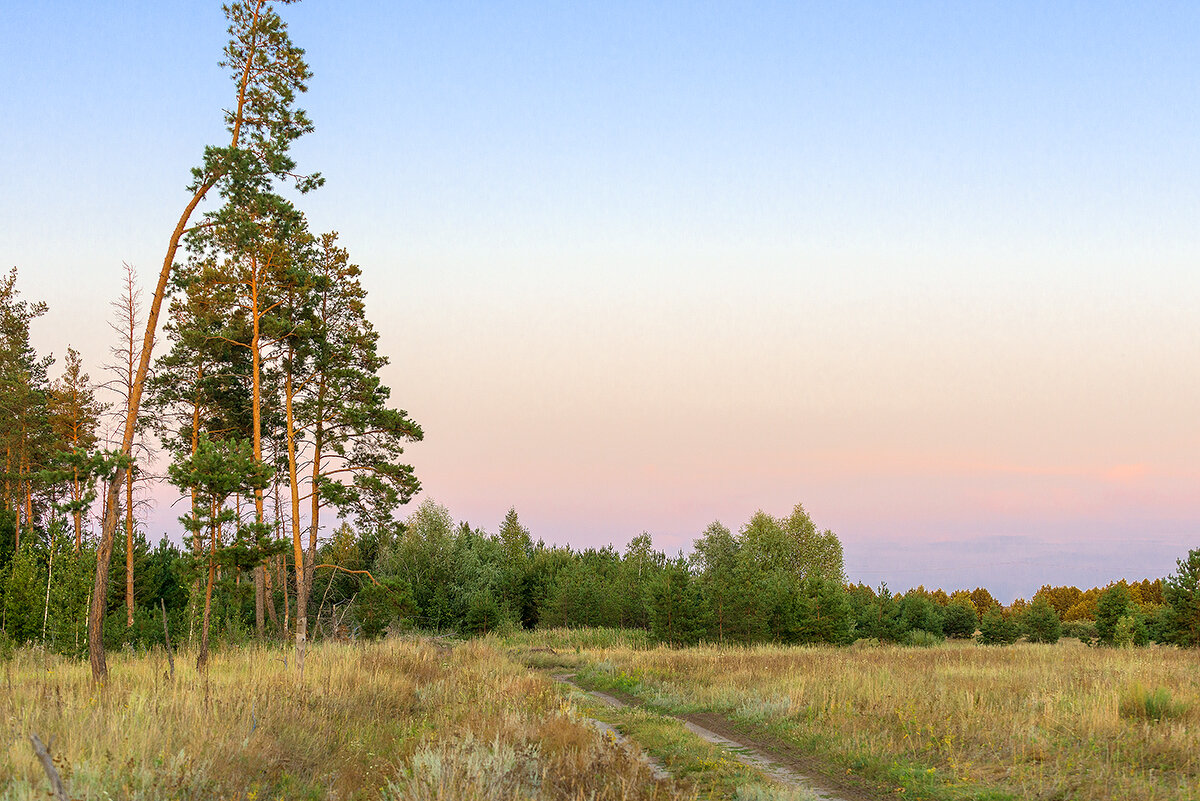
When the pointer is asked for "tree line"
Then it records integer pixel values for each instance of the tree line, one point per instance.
(777, 580)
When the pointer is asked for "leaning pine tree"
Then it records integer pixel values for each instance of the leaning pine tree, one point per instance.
(268, 70)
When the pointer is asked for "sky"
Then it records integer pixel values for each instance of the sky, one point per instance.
(929, 269)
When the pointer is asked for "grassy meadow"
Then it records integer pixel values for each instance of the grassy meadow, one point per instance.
(396, 719)
(484, 719)
(955, 721)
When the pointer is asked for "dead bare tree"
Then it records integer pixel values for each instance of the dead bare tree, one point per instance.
(125, 354)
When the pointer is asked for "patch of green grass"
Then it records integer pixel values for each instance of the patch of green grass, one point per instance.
(608, 677)
(1138, 701)
(546, 660)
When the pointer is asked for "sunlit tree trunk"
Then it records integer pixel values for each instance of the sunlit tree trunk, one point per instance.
(129, 549)
(256, 435)
(196, 539)
(202, 658)
(289, 394)
(77, 513)
(9, 497)
(104, 551)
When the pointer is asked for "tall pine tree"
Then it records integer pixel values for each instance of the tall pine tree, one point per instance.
(267, 70)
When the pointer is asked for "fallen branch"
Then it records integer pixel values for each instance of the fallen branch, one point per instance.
(56, 785)
(367, 573)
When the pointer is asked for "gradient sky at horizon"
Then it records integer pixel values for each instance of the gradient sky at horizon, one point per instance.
(929, 268)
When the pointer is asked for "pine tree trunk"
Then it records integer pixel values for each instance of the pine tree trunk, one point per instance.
(202, 659)
(9, 502)
(256, 434)
(287, 623)
(76, 499)
(129, 549)
(29, 506)
(297, 544)
(108, 531)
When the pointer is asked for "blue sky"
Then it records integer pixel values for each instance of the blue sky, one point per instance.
(927, 268)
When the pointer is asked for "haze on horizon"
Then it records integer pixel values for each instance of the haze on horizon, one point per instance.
(930, 271)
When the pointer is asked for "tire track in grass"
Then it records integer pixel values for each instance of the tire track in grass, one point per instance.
(657, 768)
(743, 752)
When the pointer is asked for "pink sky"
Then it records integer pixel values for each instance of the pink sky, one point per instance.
(931, 272)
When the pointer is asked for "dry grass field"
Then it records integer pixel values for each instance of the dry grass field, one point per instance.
(395, 720)
(955, 721)
(410, 719)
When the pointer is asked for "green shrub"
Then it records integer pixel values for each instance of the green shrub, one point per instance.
(1181, 624)
(919, 638)
(918, 613)
(1131, 631)
(1082, 630)
(1114, 603)
(995, 629)
(1160, 624)
(1040, 622)
(1157, 704)
(960, 621)
(377, 605)
(483, 613)
(24, 598)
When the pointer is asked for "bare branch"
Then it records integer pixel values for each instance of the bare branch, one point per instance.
(43, 755)
(367, 573)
